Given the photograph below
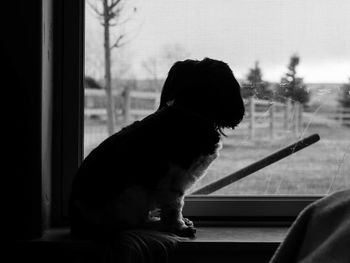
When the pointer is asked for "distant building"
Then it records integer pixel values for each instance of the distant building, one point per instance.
(91, 83)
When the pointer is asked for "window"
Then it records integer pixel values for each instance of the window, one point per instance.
(292, 60)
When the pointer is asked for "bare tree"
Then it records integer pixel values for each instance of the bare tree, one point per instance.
(172, 53)
(112, 14)
(157, 66)
(152, 67)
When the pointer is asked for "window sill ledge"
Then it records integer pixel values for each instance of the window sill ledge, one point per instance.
(219, 244)
(228, 244)
(236, 237)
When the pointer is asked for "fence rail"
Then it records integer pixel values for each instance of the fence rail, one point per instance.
(270, 118)
(341, 115)
(274, 117)
(131, 105)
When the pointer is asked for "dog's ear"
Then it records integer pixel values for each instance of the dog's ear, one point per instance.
(177, 81)
(224, 94)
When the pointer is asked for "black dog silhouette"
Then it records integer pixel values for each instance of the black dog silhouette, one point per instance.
(150, 164)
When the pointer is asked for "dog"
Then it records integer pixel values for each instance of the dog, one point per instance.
(150, 165)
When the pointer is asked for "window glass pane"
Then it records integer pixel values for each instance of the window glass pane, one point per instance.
(291, 57)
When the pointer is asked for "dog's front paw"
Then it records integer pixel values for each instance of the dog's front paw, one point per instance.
(188, 231)
(187, 222)
(183, 228)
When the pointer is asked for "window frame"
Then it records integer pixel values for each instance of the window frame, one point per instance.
(68, 103)
(252, 207)
(69, 136)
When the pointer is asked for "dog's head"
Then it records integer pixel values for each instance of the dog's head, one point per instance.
(208, 88)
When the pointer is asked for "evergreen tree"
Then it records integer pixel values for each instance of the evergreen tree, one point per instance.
(292, 86)
(344, 99)
(255, 86)
(91, 83)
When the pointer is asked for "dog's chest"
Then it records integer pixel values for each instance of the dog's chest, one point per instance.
(182, 179)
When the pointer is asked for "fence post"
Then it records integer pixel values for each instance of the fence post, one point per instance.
(272, 120)
(300, 117)
(340, 115)
(287, 114)
(252, 117)
(126, 106)
(296, 121)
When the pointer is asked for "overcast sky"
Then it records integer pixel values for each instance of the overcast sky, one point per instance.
(240, 32)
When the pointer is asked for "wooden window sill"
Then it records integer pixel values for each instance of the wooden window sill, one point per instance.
(237, 236)
(219, 244)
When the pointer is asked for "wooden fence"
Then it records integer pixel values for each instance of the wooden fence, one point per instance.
(139, 104)
(340, 115)
(262, 118)
(271, 118)
(130, 105)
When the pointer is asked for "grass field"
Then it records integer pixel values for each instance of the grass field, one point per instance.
(319, 169)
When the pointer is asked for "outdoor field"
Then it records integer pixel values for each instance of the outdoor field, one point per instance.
(321, 168)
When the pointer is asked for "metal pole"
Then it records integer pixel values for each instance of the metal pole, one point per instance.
(229, 179)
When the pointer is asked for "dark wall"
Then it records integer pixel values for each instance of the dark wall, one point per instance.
(21, 82)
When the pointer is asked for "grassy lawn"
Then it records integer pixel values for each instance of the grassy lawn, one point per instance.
(310, 171)
(321, 168)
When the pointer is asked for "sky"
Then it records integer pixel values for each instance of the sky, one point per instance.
(238, 32)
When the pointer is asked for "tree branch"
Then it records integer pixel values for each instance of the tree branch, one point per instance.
(95, 8)
(118, 43)
(128, 18)
(113, 4)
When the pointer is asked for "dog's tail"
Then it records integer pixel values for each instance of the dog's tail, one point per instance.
(144, 246)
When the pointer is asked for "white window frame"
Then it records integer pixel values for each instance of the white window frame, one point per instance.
(68, 126)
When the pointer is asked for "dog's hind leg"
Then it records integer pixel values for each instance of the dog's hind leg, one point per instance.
(132, 206)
